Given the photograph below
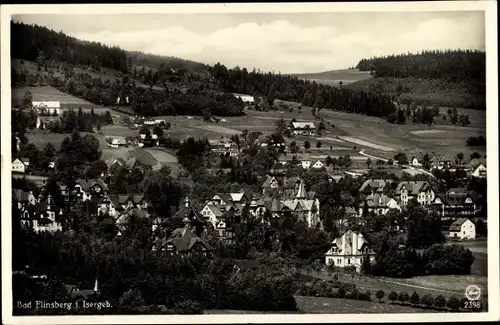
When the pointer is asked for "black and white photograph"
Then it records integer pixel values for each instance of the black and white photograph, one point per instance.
(258, 162)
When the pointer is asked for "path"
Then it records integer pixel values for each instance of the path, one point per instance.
(418, 287)
(423, 171)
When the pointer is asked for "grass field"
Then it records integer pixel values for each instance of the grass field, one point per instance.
(334, 77)
(317, 305)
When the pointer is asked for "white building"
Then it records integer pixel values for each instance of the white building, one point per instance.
(349, 250)
(318, 164)
(420, 190)
(414, 162)
(245, 98)
(20, 165)
(479, 172)
(463, 228)
(379, 204)
(47, 107)
(303, 128)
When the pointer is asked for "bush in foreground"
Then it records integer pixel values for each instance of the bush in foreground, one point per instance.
(453, 303)
(414, 298)
(427, 300)
(403, 297)
(393, 296)
(380, 294)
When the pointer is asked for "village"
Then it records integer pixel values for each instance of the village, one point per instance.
(283, 195)
(150, 184)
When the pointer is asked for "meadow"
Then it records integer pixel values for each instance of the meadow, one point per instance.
(334, 77)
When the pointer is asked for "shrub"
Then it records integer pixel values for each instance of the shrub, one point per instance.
(427, 300)
(414, 298)
(393, 296)
(341, 292)
(188, 307)
(440, 301)
(380, 294)
(365, 296)
(403, 297)
(453, 303)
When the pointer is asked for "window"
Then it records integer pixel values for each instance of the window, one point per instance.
(348, 261)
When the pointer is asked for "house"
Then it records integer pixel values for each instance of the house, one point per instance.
(124, 219)
(218, 171)
(74, 292)
(277, 169)
(44, 215)
(84, 188)
(442, 162)
(183, 241)
(245, 98)
(20, 165)
(304, 160)
(149, 121)
(418, 190)
(116, 141)
(224, 146)
(114, 163)
(318, 164)
(478, 168)
(378, 204)
(271, 183)
(303, 128)
(462, 228)
(24, 203)
(108, 205)
(212, 213)
(303, 206)
(47, 107)
(45, 122)
(414, 162)
(458, 202)
(349, 250)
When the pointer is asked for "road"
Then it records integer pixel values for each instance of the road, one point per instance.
(423, 171)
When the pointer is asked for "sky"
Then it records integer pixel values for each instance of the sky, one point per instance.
(286, 43)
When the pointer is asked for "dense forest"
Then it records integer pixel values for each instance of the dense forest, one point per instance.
(37, 43)
(276, 86)
(458, 65)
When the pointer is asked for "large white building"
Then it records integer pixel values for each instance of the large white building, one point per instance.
(349, 250)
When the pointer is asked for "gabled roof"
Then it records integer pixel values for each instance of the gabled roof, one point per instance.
(215, 210)
(377, 200)
(457, 224)
(237, 197)
(267, 182)
(474, 163)
(413, 187)
(184, 239)
(88, 183)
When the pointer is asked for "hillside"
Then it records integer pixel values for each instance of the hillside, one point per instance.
(446, 78)
(334, 77)
(154, 85)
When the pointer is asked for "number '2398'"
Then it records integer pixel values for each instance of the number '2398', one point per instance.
(472, 304)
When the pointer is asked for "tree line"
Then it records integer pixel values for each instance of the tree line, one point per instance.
(41, 44)
(290, 88)
(452, 65)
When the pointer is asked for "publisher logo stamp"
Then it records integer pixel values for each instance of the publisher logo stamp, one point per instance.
(473, 292)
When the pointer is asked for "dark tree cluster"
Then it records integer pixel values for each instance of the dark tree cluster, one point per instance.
(80, 121)
(476, 141)
(41, 44)
(148, 102)
(453, 65)
(290, 88)
(435, 260)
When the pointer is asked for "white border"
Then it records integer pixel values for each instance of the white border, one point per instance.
(490, 9)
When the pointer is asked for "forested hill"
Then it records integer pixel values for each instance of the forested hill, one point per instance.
(158, 85)
(450, 65)
(40, 43)
(32, 42)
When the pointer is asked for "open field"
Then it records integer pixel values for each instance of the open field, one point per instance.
(39, 180)
(219, 129)
(316, 305)
(334, 77)
(119, 130)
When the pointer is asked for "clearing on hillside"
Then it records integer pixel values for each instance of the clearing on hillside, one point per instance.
(334, 77)
(48, 93)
